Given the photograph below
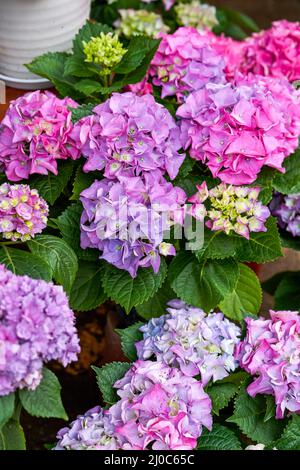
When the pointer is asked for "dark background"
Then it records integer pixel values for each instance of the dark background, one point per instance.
(263, 11)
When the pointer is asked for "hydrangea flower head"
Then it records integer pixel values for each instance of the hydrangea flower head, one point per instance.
(35, 133)
(105, 50)
(274, 52)
(91, 431)
(287, 210)
(36, 326)
(23, 213)
(127, 219)
(197, 15)
(129, 134)
(140, 22)
(188, 339)
(271, 353)
(160, 408)
(167, 3)
(238, 129)
(234, 208)
(185, 62)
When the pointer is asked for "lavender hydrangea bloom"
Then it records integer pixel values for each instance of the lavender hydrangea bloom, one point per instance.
(160, 408)
(92, 431)
(287, 211)
(126, 219)
(271, 353)
(196, 343)
(128, 135)
(22, 212)
(36, 326)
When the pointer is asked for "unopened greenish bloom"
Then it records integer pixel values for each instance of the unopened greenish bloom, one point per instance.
(105, 50)
(197, 15)
(140, 22)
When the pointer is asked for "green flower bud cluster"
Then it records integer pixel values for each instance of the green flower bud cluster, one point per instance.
(140, 22)
(105, 50)
(196, 15)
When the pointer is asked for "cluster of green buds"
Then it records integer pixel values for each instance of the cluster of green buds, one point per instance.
(105, 50)
(196, 15)
(140, 22)
(231, 208)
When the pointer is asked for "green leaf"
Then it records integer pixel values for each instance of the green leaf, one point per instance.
(245, 298)
(221, 394)
(87, 291)
(88, 31)
(129, 336)
(52, 67)
(76, 67)
(12, 436)
(249, 414)
(69, 225)
(202, 284)
(80, 112)
(130, 292)
(217, 245)
(186, 167)
(287, 295)
(290, 438)
(45, 400)
(288, 241)
(289, 182)
(137, 50)
(88, 87)
(265, 181)
(82, 181)
(51, 186)
(241, 19)
(7, 406)
(262, 247)
(156, 305)
(271, 285)
(23, 263)
(271, 408)
(59, 256)
(107, 376)
(219, 438)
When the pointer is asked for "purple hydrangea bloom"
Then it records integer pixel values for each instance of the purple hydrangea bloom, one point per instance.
(36, 326)
(185, 62)
(238, 129)
(160, 408)
(92, 431)
(126, 219)
(35, 133)
(22, 212)
(287, 211)
(128, 135)
(196, 343)
(271, 353)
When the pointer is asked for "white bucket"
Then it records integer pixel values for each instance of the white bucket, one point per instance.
(29, 28)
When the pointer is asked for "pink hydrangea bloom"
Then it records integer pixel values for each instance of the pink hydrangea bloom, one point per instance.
(196, 343)
(274, 52)
(271, 353)
(128, 135)
(36, 326)
(22, 212)
(126, 219)
(185, 62)
(34, 134)
(238, 129)
(160, 408)
(141, 88)
(91, 431)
